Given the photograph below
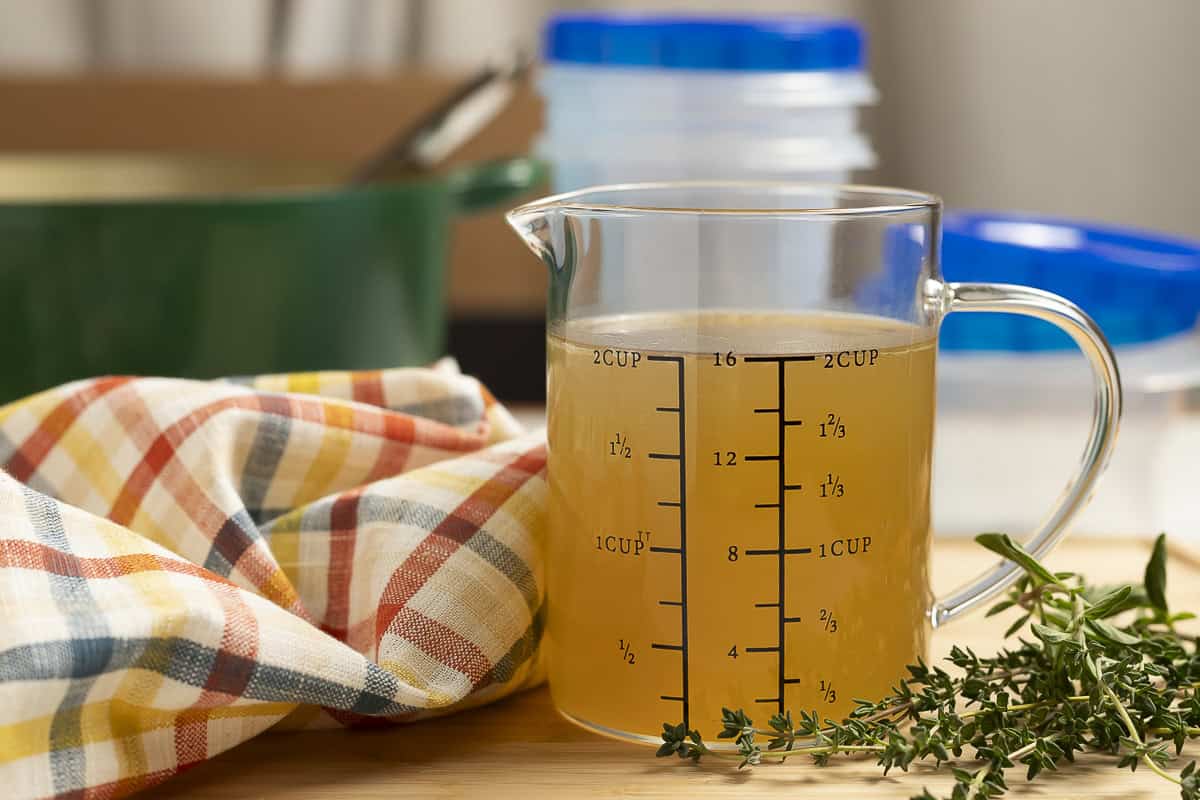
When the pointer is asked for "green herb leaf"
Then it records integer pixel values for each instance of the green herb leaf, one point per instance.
(1155, 578)
(1048, 634)
(1111, 634)
(1108, 604)
(1002, 545)
(1017, 624)
(1001, 606)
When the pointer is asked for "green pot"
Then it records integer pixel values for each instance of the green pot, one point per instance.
(162, 266)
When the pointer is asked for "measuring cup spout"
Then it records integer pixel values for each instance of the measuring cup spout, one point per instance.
(541, 226)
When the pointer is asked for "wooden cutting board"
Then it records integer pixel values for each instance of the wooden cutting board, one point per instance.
(520, 748)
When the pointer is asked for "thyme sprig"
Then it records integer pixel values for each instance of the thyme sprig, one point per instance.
(1093, 669)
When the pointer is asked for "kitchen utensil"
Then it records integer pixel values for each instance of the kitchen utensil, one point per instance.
(739, 471)
(448, 126)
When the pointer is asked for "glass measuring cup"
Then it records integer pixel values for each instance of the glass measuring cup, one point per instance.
(741, 404)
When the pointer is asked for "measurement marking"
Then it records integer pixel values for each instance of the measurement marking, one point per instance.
(782, 527)
(766, 699)
(762, 649)
(658, 646)
(668, 503)
(791, 680)
(778, 359)
(671, 697)
(666, 550)
(766, 605)
(669, 603)
(792, 487)
(671, 409)
(681, 404)
(793, 422)
(787, 551)
(766, 505)
(760, 458)
(766, 411)
(791, 619)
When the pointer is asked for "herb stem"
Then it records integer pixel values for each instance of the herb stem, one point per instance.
(1167, 731)
(1021, 752)
(1132, 730)
(975, 712)
(1159, 771)
(821, 750)
(1076, 698)
(818, 750)
(977, 781)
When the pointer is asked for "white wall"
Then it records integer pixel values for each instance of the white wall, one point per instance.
(1078, 107)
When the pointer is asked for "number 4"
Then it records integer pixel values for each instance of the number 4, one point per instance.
(733, 653)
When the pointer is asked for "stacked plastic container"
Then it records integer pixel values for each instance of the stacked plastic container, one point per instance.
(643, 98)
(635, 98)
(1013, 393)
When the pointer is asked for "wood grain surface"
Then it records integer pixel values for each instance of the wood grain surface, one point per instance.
(520, 748)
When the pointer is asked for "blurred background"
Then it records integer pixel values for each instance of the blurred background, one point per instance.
(1081, 107)
(1086, 109)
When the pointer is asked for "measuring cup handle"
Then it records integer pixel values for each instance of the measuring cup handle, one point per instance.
(1106, 417)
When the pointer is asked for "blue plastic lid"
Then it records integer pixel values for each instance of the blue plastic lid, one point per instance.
(769, 44)
(1138, 286)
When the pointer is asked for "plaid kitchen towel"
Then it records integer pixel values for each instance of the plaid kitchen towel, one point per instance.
(184, 564)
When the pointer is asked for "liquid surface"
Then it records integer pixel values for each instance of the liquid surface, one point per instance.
(739, 514)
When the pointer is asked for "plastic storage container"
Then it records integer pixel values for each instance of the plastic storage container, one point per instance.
(1015, 389)
(634, 98)
(642, 98)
